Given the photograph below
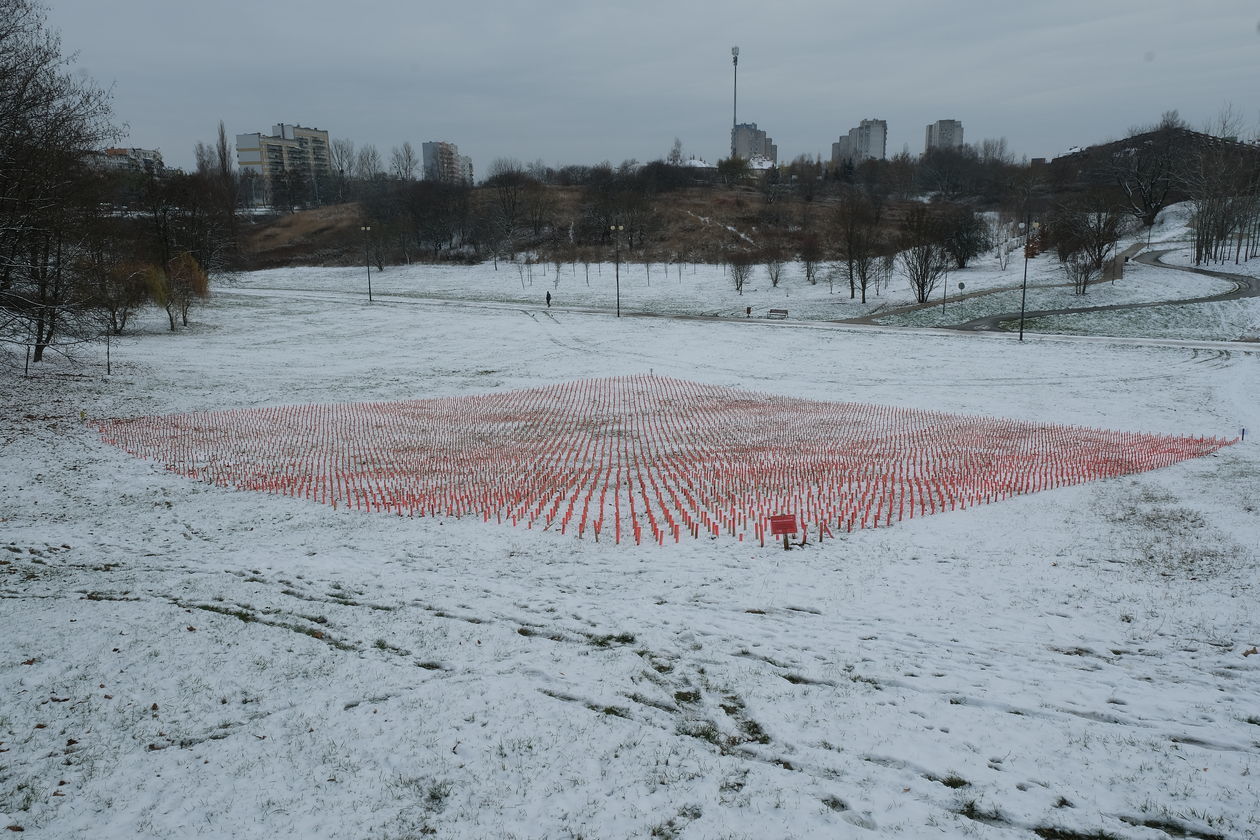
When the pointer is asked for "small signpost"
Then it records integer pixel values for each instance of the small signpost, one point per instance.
(784, 525)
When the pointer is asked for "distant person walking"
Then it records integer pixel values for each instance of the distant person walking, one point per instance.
(548, 300)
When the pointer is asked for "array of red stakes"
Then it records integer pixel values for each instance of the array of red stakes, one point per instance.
(642, 458)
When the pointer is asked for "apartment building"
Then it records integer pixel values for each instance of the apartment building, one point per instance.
(750, 142)
(289, 149)
(139, 161)
(868, 140)
(943, 134)
(443, 162)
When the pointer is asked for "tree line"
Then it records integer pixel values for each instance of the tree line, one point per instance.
(74, 265)
(851, 224)
(82, 249)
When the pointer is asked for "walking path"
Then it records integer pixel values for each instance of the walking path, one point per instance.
(1244, 287)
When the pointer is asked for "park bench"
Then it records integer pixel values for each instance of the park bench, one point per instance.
(777, 313)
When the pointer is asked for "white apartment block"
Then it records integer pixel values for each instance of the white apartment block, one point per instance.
(289, 148)
(867, 141)
(943, 134)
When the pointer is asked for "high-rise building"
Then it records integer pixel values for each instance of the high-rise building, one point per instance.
(443, 162)
(943, 134)
(289, 149)
(867, 141)
(840, 151)
(750, 142)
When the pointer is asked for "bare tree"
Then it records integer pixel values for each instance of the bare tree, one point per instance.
(1002, 232)
(993, 150)
(214, 169)
(341, 152)
(510, 183)
(1146, 165)
(675, 153)
(175, 285)
(1090, 223)
(901, 172)
(922, 256)
(1079, 268)
(963, 233)
(203, 156)
(109, 271)
(741, 269)
(1223, 182)
(50, 118)
(188, 238)
(437, 213)
(540, 171)
(951, 173)
(883, 271)
(342, 157)
(403, 162)
(540, 205)
(367, 163)
(859, 241)
(772, 258)
(811, 255)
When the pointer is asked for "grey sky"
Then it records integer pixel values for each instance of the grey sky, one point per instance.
(580, 82)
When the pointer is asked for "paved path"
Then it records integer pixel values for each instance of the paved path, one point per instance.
(556, 312)
(1244, 287)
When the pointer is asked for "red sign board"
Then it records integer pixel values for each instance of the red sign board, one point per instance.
(785, 524)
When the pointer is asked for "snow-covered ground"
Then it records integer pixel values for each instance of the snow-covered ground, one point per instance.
(1233, 320)
(186, 661)
(1049, 290)
(708, 290)
(684, 288)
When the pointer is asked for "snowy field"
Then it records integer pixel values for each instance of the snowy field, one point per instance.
(707, 290)
(1140, 284)
(182, 660)
(699, 289)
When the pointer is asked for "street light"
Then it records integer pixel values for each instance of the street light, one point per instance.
(1029, 227)
(367, 260)
(615, 232)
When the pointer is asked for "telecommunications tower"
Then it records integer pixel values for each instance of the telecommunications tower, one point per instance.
(734, 96)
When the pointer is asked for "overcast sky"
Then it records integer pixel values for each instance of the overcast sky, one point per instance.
(581, 81)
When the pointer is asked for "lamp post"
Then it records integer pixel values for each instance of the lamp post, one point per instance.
(1023, 295)
(367, 260)
(615, 232)
(734, 95)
